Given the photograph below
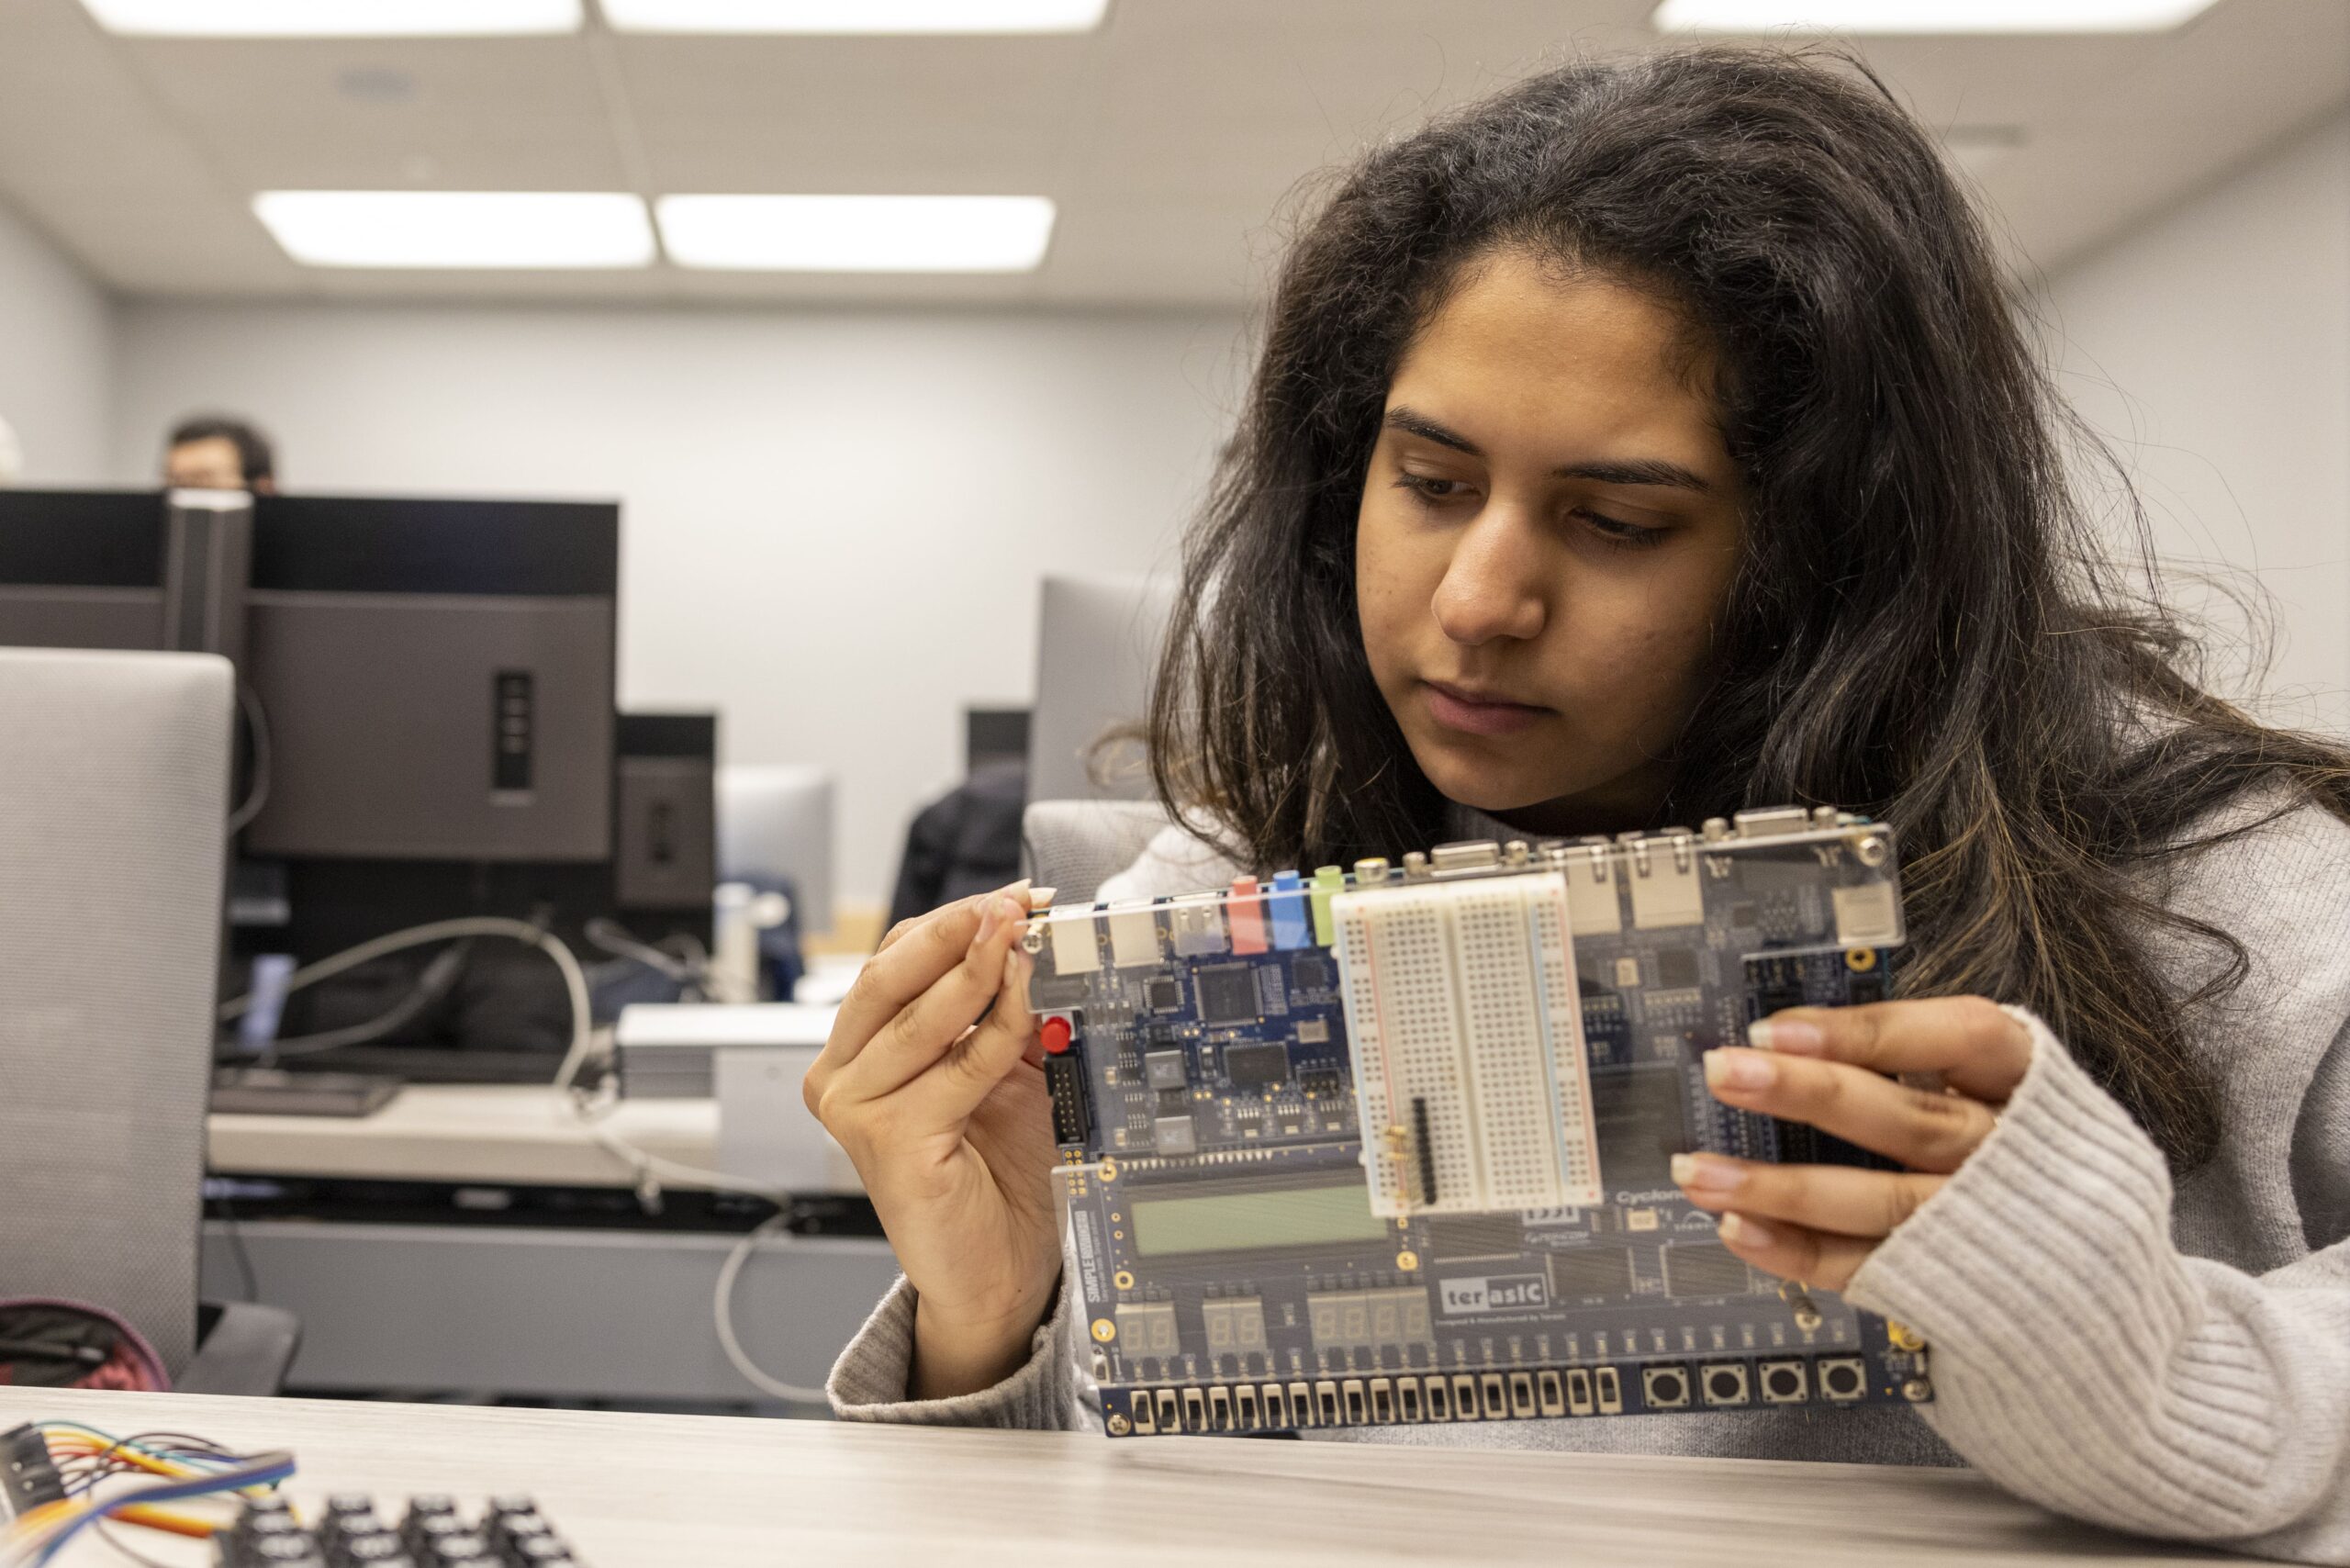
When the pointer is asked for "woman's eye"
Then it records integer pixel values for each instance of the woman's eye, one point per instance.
(1430, 488)
(1615, 530)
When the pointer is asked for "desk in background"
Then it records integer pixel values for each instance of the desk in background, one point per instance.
(632, 1491)
(480, 1304)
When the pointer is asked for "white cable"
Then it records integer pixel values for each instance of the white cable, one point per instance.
(651, 1168)
(574, 981)
(257, 786)
(723, 1312)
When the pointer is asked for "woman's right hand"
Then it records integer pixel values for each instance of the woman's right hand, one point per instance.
(950, 1126)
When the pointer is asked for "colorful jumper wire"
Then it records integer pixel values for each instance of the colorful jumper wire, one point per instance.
(172, 1466)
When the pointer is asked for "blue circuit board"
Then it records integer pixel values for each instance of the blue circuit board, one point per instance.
(1233, 1273)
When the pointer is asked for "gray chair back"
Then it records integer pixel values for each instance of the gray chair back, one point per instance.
(114, 784)
(1073, 847)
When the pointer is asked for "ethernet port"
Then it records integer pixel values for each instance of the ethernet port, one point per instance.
(1666, 1388)
(1843, 1379)
(1784, 1382)
(1724, 1384)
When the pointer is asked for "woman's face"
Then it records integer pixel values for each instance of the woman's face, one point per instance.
(1549, 524)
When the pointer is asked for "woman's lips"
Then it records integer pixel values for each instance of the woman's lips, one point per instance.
(1471, 713)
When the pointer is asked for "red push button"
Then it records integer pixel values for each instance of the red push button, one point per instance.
(1055, 1033)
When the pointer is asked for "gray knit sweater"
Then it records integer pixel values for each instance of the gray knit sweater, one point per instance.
(2171, 1362)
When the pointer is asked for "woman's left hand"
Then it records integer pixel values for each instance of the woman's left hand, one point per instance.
(1832, 1067)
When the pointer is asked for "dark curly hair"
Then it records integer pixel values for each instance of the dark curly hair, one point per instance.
(1923, 626)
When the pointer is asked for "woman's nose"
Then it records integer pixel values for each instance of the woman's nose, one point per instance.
(1493, 586)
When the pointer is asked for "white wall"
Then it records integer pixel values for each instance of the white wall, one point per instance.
(2212, 346)
(56, 359)
(834, 524)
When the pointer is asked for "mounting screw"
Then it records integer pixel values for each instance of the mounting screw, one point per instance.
(1917, 1391)
(1120, 1426)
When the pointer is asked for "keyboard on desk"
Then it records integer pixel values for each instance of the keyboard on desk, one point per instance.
(274, 1092)
(430, 1533)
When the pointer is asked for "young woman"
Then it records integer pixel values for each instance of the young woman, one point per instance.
(1651, 441)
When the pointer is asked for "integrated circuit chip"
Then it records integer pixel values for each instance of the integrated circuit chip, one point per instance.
(1255, 1065)
(1175, 1134)
(1227, 994)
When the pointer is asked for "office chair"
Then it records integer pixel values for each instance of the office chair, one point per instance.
(114, 783)
(1098, 640)
(1073, 847)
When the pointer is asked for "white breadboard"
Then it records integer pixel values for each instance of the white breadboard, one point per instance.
(1470, 1071)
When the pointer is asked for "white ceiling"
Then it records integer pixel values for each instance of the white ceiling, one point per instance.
(1176, 138)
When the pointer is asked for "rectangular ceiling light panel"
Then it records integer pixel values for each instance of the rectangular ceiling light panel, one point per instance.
(857, 233)
(855, 16)
(1946, 17)
(334, 18)
(459, 230)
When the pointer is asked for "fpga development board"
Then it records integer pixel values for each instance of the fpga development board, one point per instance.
(1393, 1145)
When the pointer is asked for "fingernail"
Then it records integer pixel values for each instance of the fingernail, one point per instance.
(1789, 1036)
(990, 920)
(1012, 976)
(1707, 1173)
(1041, 898)
(1739, 1070)
(1738, 1230)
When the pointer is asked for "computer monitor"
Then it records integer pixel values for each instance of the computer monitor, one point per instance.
(428, 699)
(127, 570)
(774, 823)
(1097, 649)
(437, 676)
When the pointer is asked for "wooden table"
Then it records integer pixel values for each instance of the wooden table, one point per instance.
(700, 1492)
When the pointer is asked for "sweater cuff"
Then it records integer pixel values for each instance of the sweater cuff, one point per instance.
(2066, 1202)
(2043, 1263)
(868, 1383)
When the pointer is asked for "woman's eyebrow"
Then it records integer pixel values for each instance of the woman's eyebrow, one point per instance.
(1626, 471)
(1635, 471)
(1410, 421)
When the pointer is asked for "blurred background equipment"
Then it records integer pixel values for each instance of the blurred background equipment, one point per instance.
(1097, 644)
(428, 733)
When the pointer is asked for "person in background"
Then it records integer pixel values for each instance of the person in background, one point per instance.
(215, 452)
